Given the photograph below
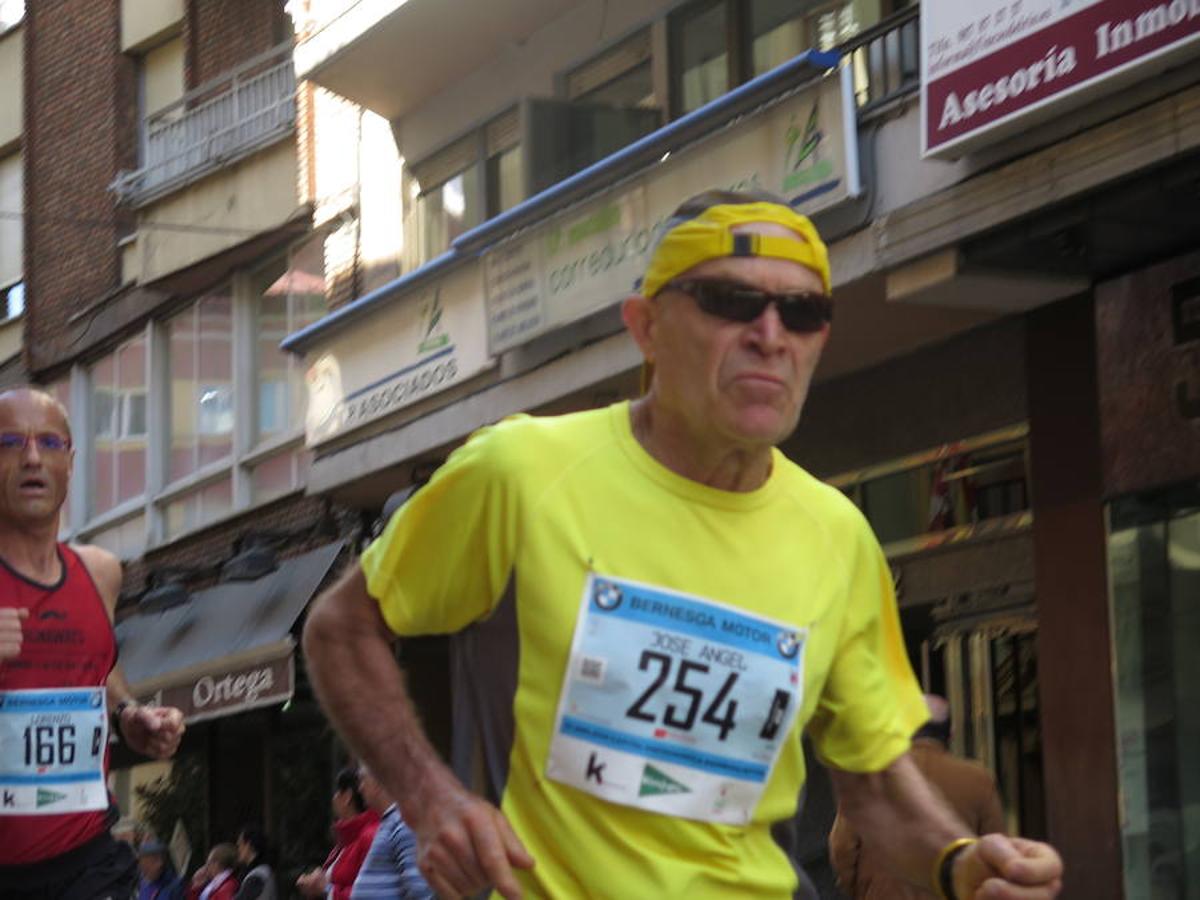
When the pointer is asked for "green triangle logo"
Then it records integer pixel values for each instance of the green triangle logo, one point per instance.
(45, 797)
(655, 782)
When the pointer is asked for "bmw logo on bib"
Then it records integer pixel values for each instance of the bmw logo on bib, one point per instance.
(787, 645)
(607, 595)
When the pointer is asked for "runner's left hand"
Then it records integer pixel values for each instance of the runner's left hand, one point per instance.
(153, 731)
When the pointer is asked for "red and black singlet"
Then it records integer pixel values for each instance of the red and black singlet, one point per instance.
(68, 642)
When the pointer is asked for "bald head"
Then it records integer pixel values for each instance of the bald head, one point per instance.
(26, 400)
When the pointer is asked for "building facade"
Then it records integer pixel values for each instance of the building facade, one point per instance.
(1008, 191)
(12, 179)
(174, 215)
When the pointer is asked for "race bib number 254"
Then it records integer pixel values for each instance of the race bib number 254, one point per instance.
(674, 703)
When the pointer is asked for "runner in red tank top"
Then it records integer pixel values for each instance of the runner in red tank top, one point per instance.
(56, 643)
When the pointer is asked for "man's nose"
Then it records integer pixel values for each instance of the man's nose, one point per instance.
(31, 455)
(766, 333)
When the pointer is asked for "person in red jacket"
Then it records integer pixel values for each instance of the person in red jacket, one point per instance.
(215, 880)
(354, 825)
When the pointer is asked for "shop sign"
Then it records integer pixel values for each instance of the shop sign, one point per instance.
(804, 148)
(227, 691)
(991, 67)
(410, 350)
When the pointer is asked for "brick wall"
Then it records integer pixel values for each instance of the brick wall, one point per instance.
(214, 545)
(79, 132)
(221, 34)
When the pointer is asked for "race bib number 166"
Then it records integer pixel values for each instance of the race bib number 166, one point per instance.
(52, 748)
(674, 703)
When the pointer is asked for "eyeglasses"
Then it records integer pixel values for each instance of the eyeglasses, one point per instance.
(802, 312)
(47, 442)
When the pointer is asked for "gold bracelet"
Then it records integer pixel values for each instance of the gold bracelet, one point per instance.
(943, 867)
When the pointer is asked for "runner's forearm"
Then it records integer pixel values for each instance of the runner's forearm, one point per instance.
(897, 813)
(347, 648)
(117, 689)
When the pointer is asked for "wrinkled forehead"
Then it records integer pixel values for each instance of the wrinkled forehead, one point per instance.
(32, 411)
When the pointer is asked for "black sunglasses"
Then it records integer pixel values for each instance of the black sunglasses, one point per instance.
(802, 312)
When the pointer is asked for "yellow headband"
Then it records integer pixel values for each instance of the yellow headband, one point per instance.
(710, 235)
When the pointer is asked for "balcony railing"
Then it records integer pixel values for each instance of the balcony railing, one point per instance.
(214, 125)
(886, 60)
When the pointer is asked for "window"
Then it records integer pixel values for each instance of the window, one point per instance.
(610, 103)
(503, 180)
(103, 404)
(504, 162)
(702, 51)
(200, 352)
(118, 411)
(12, 301)
(216, 411)
(11, 12)
(279, 474)
(1154, 574)
(222, 432)
(478, 176)
(448, 210)
(288, 296)
(133, 414)
(451, 200)
(198, 508)
(718, 45)
(620, 77)
(776, 33)
(273, 406)
(126, 539)
(12, 235)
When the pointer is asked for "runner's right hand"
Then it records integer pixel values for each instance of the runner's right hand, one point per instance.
(465, 844)
(11, 631)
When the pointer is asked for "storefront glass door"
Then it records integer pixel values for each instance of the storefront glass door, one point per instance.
(1154, 563)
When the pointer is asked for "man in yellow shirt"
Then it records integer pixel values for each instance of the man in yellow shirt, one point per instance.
(655, 603)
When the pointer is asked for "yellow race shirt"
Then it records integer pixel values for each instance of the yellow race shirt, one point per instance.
(641, 652)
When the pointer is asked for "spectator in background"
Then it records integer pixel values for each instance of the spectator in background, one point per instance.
(390, 869)
(354, 826)
(157, 879)
(258, 879)
(215, 879)
(968, 787)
